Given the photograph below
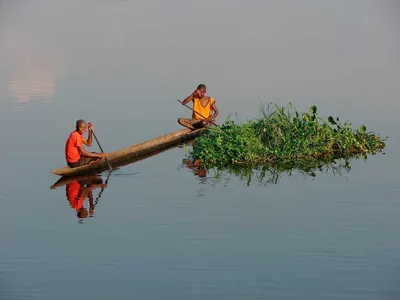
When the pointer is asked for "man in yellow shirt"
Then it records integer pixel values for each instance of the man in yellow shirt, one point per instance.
(204, 109)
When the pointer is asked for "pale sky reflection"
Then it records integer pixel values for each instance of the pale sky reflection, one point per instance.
(34, 64)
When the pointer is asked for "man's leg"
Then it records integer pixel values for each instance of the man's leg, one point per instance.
(75, 164)
(86, 160)
(186, 123)
(198, 124)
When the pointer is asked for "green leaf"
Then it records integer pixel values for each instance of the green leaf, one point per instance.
(313, 109)
(331, 120)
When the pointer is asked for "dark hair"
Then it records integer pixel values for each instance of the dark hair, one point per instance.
(82, 213)
(201, 86)
(79, 123)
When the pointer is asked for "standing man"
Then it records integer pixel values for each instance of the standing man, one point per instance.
(75, 153)
(205, 110)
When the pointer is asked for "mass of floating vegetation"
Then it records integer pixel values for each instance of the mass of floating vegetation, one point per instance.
(284, 138)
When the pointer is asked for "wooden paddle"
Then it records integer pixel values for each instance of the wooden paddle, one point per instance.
(101, 150)
(196, 112)
(102, 190)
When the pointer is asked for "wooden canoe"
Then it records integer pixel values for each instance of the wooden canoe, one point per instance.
(132, 153)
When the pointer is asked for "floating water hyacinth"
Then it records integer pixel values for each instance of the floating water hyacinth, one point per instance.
(283, 136)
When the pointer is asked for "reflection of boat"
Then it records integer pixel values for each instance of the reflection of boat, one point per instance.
(133, 153)
(66, 180)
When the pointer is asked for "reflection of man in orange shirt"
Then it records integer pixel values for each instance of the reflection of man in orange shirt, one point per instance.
(77, 193)
(75, 153)
(196, 167)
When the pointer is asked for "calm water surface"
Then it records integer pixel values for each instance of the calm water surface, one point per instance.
(159, 231)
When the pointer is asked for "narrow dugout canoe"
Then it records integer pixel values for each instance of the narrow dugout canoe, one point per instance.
(132, 153)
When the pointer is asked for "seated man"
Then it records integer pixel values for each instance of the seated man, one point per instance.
(204, 109)
(75, 153)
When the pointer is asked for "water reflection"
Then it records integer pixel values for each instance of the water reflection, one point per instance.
(196, 168)
(33, 72)
(78, 189)
(34, 62)
(267, 174)
(30, 86)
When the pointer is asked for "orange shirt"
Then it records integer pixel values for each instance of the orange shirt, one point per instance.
(205, 111)
(73, 188)
(72, 153)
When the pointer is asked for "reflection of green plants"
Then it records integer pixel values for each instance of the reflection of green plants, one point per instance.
(282, 139)
(270, 174)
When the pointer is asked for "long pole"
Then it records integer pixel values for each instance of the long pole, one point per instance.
(101, 150)
(101, 192)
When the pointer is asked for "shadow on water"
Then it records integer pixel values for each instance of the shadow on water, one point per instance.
(78, 189)
(267, 174)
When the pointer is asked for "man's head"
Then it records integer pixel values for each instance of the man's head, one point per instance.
(81, 126)
(82, 213)
(202, 90)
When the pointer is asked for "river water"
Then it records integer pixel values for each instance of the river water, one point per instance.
(159, 231)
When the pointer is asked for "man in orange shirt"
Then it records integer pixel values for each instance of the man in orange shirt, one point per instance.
(205, 110)
(75, 153)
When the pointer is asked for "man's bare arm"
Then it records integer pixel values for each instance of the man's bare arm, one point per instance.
(190, 97)
(90, 154)
(215, 112)
(88, 142)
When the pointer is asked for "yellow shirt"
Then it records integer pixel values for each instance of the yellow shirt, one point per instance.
(203, 111)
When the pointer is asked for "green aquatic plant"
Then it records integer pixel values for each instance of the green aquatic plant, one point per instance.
(283, 137)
